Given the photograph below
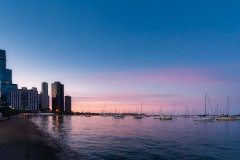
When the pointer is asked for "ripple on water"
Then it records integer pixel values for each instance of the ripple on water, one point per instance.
(108, 138)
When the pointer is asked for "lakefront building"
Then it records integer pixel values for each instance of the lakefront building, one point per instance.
(68, 104)
(24, 99)
(40, 101)
(5, 81)
(57, 97)
(44, 97)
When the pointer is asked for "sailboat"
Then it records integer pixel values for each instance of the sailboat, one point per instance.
(227, 117)
(165, 117)
(104, 114)
(139, 116)
(158, 116)
(118, 116)
(88, 114)
(204, 118)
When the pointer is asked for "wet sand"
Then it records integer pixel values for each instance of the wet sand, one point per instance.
(20, 139)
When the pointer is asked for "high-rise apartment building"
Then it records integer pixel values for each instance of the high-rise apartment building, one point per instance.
(68, 104)
(57, 97)
(24, 99)
(33, 99)
(45, 96)
(40, 101)
(5, 81)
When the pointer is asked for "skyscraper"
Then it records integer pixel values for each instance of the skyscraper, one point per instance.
(45, 97)
(33, 99)
(24, 99)
(5, 80)
(40, 101)
(57, 97)
(68, 104)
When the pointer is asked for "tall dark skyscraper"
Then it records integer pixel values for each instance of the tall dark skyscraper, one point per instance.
(57, 97)
(5, 80)
(68, 104)
(45, 97)
(40, 101)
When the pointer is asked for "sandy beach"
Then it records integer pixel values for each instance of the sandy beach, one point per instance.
(20, 139)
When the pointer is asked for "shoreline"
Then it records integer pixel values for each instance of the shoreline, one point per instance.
(21, 139)
(67, 151)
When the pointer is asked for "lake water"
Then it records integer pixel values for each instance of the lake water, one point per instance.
(108, 138)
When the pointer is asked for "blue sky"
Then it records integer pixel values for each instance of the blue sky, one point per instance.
(104, 50)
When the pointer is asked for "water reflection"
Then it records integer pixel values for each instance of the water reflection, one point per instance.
(108, 138)
(57, 122)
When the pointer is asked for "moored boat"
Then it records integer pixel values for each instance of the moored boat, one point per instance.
(88, 115)
(138, 116)
(165, 117)
(156, 117)
(226, 118)
(203, 119)
(119, 116)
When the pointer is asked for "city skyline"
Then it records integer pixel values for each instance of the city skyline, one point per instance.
(122, 54)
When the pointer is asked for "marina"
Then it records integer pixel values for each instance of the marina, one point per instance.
(147, 138)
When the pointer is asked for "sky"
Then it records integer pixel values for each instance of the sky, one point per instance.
(114, 55)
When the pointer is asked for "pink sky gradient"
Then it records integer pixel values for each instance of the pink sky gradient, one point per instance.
(154, 88)
(169, 76)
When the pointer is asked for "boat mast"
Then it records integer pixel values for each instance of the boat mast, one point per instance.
(228, 107)
(185, 110)
(205, 104)
(174, 110)
(105, 109)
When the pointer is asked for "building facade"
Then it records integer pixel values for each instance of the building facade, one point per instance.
(57, 97)
(5, 81)
(45, 96)
(33, 99)
(68, 104)
(40, 101)
(24, 99)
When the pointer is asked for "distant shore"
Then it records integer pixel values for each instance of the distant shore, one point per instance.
(20, 139)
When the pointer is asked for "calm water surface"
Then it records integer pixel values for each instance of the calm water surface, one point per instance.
(108, 138)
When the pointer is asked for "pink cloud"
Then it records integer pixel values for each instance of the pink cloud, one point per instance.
(126, 97)
(164, 76)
